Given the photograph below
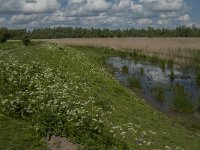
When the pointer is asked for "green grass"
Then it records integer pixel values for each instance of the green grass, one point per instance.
(68, 91)
(134, 82)
(171, 76)
(170, 64)
(162, 65)
(159, 92)
(19, 135)
(181, 101)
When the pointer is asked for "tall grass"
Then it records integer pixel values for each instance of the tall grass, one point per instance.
(162, 65)
(198, 79)
(134, 82)
(125, 69)
(170, 64)
(171, 76)
(159, 93)
(181, 101)
(166, 48)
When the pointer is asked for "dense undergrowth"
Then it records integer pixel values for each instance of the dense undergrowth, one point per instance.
(65, 91)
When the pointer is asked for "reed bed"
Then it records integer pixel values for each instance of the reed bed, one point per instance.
(179, 49)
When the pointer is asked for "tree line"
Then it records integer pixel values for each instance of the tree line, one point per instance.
(78, 32)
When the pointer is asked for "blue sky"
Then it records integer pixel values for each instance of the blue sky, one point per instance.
(99, 13)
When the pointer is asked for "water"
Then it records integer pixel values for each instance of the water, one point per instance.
(153, 76)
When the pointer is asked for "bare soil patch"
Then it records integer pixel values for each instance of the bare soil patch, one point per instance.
(60, 143)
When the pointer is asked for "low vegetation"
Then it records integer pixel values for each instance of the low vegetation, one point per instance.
(3, 35)
(162, 65)
(159, 93)
(171, 76)
(181, 101)
(141, 71)
(125, 69)
(170, 64)
(134, 82)
(48, 90)
(198, 79)
(26, 41)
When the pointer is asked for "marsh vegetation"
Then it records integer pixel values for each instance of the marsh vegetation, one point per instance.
(53, 90)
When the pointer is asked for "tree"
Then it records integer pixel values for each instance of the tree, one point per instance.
(26, 41)
(3, 35)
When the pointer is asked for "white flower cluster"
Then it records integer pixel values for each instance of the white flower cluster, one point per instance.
(62, 91)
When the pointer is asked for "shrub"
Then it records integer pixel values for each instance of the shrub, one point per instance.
(26, 41)
(3, 35)
(134, 82)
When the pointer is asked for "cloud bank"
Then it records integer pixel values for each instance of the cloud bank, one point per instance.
(94, 13)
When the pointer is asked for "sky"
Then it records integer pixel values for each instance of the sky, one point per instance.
(113, 14)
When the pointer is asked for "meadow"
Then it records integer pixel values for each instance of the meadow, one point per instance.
(69, 91)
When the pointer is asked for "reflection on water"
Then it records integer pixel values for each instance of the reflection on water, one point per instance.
(153, 76)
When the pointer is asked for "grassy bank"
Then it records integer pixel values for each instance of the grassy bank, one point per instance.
(67, 91)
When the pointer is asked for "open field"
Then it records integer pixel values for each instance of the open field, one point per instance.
(178, 49)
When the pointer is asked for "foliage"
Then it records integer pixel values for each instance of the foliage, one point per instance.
(170, 64)
(162, 65)
(3, 35)
(181, 101)
(26, 41)
(198, 79)
(53, 101)
(79, 74)
(125, 69)
(159, 92)
(69, 32)
(141, 71)
(134, 82)
(19, 135)
(171, 76)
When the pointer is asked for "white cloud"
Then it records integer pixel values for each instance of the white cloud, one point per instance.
(145, 21)
(81, 8)
(40, 6)
(164, 22)
(28, 6)
(121, 5)
(22, 19)
(2, 21)
(163, 5)
(185, 18)
(94, 13)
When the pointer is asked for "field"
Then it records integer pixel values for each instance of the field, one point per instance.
(49, 89)
(178, 49)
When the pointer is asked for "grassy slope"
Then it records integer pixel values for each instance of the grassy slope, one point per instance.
(131, 119)
(18, 135)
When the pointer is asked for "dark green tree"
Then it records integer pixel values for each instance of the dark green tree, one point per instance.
(26, 41)
(3, 35)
